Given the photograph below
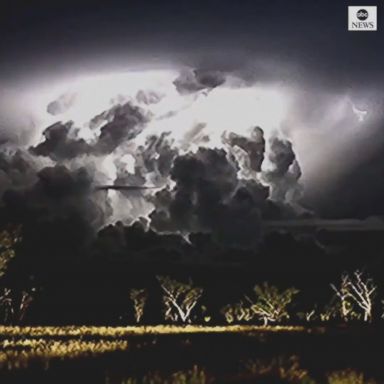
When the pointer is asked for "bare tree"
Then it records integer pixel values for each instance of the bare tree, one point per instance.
(362, 291)
(139, 298)
(228, 313)
(344, 296)
(330, 311)
(179, 299)
(6, 306)
(14, 305)
(308, 315)
(359, 290)
(8, 241)
(238, 311)
(24, 303)
(271, 304)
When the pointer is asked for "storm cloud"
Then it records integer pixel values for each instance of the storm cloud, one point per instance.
(124, 122)
(285, 172)
(209, 197)
(58, 143)
(195, 170)
(190, 81)
(253, 147)
(117, 125)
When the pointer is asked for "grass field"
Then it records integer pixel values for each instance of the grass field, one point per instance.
(147, 330)
(21, 345)
(188, 354)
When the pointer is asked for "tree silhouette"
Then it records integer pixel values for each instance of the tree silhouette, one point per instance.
(179, 299)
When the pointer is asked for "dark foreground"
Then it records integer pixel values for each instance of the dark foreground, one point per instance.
(194, 355)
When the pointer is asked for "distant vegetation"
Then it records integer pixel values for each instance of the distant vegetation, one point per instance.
(8, 240)
(13, 303)
(353, 298)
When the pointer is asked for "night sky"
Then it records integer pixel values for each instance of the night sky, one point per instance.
(298, 45)
(72, 35)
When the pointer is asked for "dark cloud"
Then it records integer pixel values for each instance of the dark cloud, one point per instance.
(281, 156)
(124, 123)
(17, 171)
(155, 158)
(217, 192)
(60, 213)
(138, 242)
(124, 177)
(253, 146)
(58, 143)
(190, 81)
(132, 186)
(121, 123)
(203, 181)
(61, 104)
(208, 197)
(58, 193)
(285, 173)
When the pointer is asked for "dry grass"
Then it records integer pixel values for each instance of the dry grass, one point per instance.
(348, 376)
(19, 346)
(19, 353)
(118, 332)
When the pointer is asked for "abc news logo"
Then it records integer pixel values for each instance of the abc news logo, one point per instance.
(362, 18)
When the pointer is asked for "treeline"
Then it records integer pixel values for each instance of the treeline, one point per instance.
(164, 299)
(353, 299)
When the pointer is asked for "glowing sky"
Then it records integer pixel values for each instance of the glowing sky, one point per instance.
(290, 67)
(306, 118)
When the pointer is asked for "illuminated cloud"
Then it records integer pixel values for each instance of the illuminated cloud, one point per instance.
(224, 153)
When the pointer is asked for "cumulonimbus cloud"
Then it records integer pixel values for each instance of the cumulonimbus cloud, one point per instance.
(189, 158)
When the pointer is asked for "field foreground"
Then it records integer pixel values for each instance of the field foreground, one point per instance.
(145, 330)
(189, 354)
(21, 345)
